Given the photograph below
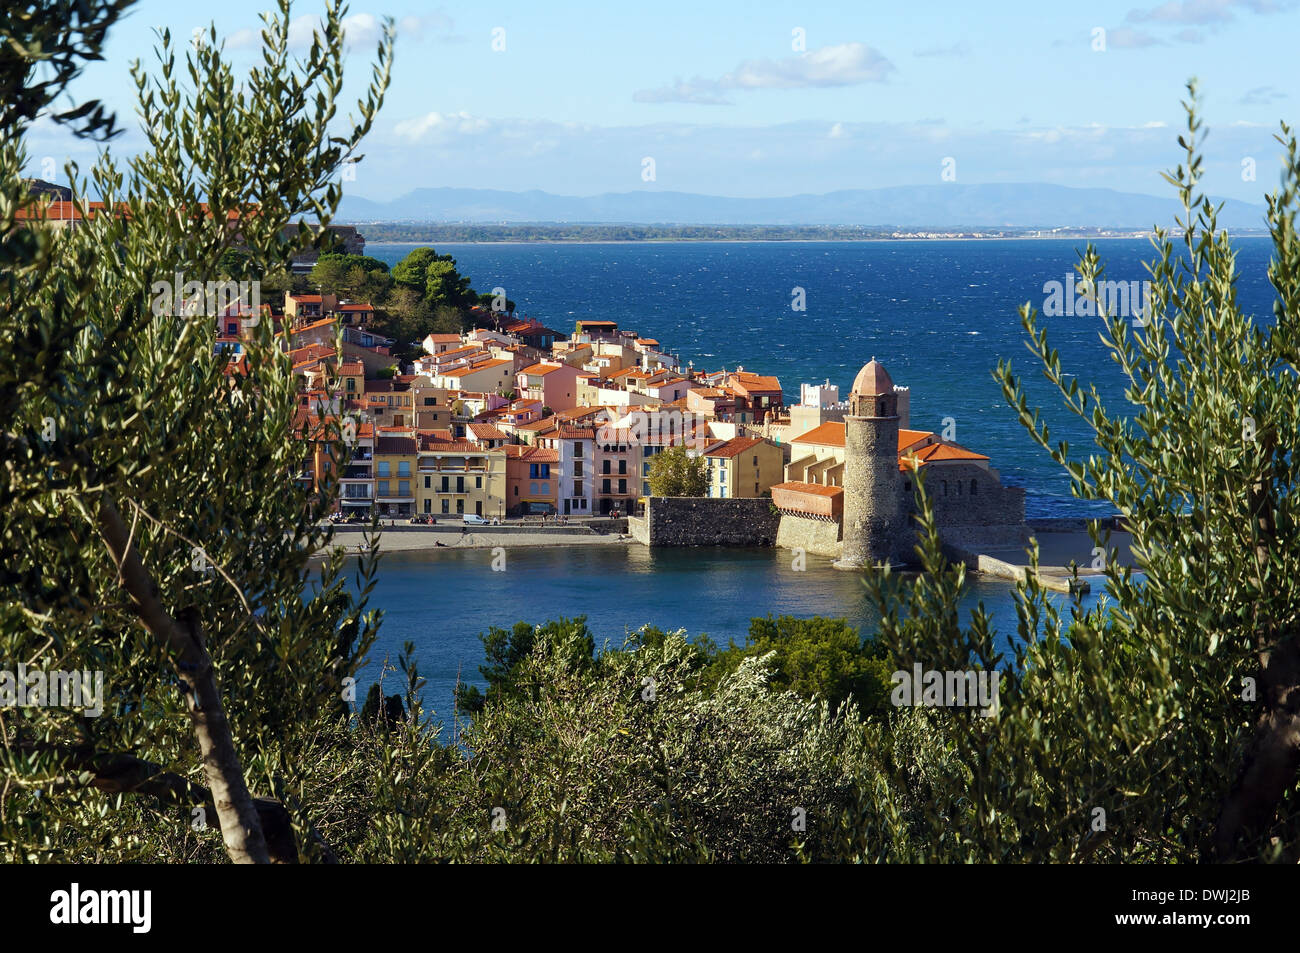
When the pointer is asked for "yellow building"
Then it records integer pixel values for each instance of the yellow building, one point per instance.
(743, 467)
(395, 462)
(456, 477)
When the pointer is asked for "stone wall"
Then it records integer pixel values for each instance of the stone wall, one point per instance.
(950, 490)
(818, 536)
(701, 521)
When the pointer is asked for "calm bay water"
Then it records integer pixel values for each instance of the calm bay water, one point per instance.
(442, 600)
(938, 314)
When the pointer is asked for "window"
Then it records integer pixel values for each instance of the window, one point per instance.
(604, 486)
(460, 484)
(577, 487)
(577, 468)
(383, 488)
(446, 505)
(755, 459)
(403, 466)
(403, 487)
(546, 489)
(428, 401)
(622, 466)
(428, 482)
(972, 487)
(516, 489)
(383, 468)
(352, 384)
(428, 505)
(577, 449)
(460, 506)
(622, 487)
(606, 467)
(446, 484)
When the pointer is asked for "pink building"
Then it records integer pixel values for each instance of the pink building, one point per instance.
(554, 383)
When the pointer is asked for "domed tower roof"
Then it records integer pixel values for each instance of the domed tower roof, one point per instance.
(872, 381)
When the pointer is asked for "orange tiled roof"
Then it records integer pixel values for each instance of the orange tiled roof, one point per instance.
(817, 489)
(487, 432)
(733, 447)
(395, 445)
(829, 434)
(946, 451)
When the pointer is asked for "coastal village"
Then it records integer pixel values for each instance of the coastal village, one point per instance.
(512, 421)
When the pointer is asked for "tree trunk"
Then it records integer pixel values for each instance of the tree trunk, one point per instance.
(241, 828)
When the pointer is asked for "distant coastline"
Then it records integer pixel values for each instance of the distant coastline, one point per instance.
(396, 233)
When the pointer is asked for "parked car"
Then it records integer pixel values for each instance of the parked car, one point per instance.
(475, 520)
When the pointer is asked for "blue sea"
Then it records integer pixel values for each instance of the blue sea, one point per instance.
(938, 314)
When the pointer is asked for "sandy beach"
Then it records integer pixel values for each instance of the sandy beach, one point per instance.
(417, 539)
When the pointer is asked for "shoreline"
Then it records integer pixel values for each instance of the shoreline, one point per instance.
(409, 541)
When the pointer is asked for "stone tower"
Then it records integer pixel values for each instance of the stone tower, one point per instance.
(873, 502)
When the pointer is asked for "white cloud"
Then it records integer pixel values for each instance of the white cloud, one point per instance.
(441, 126)
(1261, 96)
(837, 131)
(1203, 12)
(845, 64)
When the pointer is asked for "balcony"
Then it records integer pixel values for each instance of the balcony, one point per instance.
(357, 473)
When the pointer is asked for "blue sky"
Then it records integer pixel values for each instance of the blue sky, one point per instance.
(725, 101)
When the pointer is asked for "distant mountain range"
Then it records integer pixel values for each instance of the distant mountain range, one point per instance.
(906, 207)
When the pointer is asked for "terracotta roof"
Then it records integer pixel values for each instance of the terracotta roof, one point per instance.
(829, 434)
(908, 437)
(749, 383)
(546, 423)
(487, 432)
(394, 445)
(542, 369)
(531, 454)
(463, 371)
(945, 451)
(872, 380)
(577, 433)
(817, 489)
(733, 447)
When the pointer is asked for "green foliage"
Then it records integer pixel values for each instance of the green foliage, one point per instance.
(674, 472)
(113, 414)
(435, 278)
(814, 658)
(355, 277)
(1141, 707)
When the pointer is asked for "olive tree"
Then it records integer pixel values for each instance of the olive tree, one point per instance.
(1164, 723)
(151, 530)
